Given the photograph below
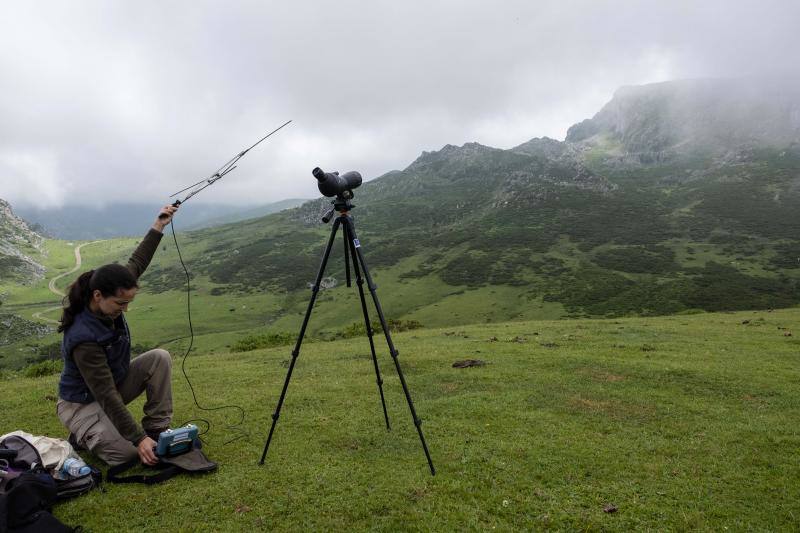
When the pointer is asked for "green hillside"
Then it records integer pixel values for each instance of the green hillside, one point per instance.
(621, 219)
(579, 228)
(679, 423)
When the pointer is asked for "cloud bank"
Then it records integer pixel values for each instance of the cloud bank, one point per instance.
(107, 102)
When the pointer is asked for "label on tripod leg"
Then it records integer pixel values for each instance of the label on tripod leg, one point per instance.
(357, 243)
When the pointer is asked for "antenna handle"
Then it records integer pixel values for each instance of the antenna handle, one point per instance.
(176, 203)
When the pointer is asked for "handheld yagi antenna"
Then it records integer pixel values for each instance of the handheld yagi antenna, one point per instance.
(220, 173)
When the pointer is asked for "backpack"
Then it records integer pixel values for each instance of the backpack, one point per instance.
(27, 502)
(27, 458)
(28, 491)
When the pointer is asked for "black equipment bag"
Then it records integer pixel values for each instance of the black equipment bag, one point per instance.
(28, 491)
(24, 456)
(26, 502)
(193, 461)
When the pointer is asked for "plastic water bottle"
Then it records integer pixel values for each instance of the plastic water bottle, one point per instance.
(75, 467)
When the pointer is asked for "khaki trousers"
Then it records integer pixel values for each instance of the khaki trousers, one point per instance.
(150, 373)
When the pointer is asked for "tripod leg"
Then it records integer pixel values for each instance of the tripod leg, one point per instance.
(367, 324)
(296, 351)
(346, 255)
(350, 228)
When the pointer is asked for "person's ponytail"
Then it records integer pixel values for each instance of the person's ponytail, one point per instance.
(76, 299)
(107, 279)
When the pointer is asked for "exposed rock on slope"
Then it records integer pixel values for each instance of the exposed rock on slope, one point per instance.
(659, 119)
(17, 243)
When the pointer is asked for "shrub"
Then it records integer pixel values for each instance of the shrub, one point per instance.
(651, 259)
(724, 288)
(43, 368)
(255, 342)
(357, 329)
(49, 351)
(786, 256)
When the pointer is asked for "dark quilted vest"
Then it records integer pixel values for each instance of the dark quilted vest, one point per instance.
(116, 342)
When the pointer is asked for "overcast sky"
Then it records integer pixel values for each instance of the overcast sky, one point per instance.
(113, 101)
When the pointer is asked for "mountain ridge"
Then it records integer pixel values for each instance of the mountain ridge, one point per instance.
(547, 228)
(715, 113)
(472, 234)
(629, 222)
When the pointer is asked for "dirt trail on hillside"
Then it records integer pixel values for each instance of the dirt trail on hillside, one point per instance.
(55, 290)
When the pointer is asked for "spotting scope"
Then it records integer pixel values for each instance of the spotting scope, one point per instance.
(332, 184)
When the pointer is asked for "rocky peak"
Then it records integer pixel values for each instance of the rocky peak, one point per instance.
(451, 153)
(709, 113)
(14, 228)
(544, 147)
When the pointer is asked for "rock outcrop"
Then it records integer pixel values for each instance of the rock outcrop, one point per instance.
(660, 120)
(18, 242)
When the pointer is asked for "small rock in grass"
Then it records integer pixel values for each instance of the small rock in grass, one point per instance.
(468, 362)
(787, 333)
(610, 508)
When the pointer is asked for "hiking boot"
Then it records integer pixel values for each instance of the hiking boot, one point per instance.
(73, 441)
(154, 433)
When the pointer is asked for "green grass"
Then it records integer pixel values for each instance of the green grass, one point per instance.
(682, 422)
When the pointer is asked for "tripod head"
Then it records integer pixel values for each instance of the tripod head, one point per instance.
(340, 205)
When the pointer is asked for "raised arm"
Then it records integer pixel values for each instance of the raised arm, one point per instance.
(143, 254)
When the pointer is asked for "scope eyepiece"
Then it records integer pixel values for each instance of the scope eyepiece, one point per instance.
(320, 174)
(332, 184)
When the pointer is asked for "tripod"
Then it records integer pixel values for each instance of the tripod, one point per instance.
(352, 249)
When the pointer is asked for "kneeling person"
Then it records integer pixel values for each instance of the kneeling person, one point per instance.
(99, 376)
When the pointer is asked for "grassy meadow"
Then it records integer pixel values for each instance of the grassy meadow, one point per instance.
(676, 423)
